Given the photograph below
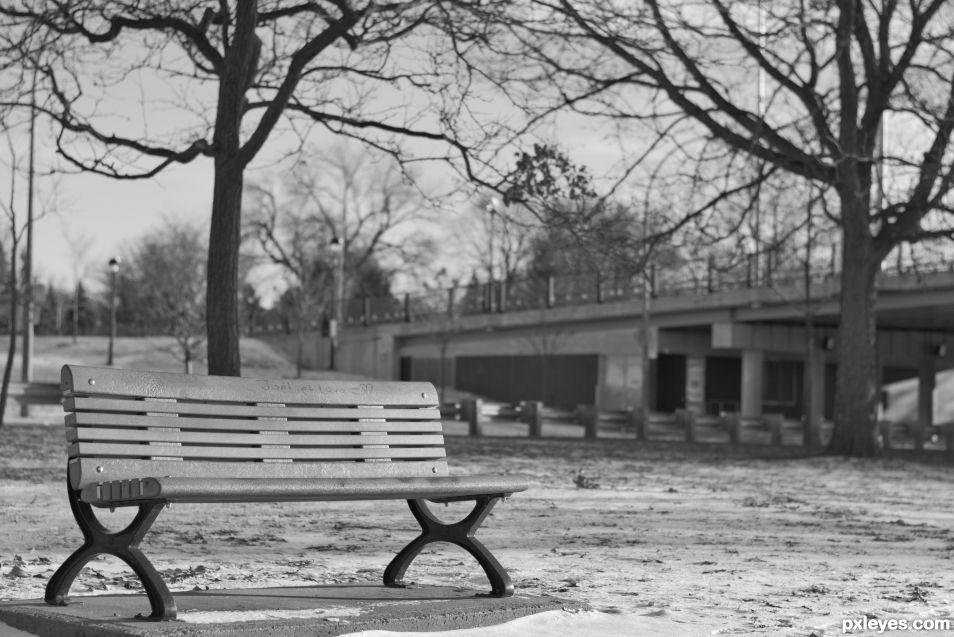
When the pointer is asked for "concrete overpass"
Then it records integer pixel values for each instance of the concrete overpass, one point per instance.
(725, 347)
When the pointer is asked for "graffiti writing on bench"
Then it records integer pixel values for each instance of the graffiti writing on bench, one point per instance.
(344, 389)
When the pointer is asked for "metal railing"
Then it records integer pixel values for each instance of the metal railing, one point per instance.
(540, 293)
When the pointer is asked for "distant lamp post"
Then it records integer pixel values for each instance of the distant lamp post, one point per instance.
(337, 279)
(113, 271)
(492, 209)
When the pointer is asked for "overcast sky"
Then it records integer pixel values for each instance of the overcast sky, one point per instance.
(109, 214)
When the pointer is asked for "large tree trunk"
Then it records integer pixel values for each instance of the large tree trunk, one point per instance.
(12, 349)
(222, 293)
(856, 386)
(222, 305)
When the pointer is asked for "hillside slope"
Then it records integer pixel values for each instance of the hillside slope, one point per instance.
(152, 353)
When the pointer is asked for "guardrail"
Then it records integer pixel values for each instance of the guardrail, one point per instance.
(533, 419)
(446, 306)
(22, 397)
(526, 293)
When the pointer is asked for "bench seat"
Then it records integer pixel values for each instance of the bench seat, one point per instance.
(149, 439)
(441, 489)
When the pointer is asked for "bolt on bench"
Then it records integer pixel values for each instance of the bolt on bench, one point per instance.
(148, 439)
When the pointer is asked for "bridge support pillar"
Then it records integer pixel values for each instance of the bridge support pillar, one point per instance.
(926, 372)
(589, 417)
(533, 416)
(752, 373)
(470, 412)
(696, 384)
(637, 424)
(814, 401)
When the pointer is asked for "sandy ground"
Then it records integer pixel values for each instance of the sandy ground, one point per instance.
(658, 539)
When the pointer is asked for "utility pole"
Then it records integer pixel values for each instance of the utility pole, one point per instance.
(758, 270)
(811, 433)
(337, 254)
(28, 305)
(339, 251)
(645, 328)
(491, 296)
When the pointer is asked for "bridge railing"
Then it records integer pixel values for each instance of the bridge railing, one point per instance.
(533, 293)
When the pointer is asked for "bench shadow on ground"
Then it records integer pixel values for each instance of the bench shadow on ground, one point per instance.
(286, 611)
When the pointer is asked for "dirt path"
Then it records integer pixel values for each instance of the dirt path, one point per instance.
(739, 545)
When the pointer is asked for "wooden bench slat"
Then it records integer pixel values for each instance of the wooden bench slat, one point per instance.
(83, 418)
(81, 379)
(268, 490)
(119, 405)
(85, 471)
(112, 450)
(126, 421)
(96, 434)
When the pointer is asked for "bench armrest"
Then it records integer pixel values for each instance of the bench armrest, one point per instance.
(440, 488)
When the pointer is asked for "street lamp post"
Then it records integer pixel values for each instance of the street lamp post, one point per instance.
(646, 354)
(113, 271)
(492, 209)
(29, 303)
(337, 279)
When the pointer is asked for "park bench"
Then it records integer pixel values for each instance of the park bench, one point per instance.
(25, 395)
(148, 439)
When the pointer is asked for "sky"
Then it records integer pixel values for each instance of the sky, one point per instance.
(96, 218)
(102, 217)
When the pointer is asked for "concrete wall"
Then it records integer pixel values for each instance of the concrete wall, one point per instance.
(609, 340)
(369, 352)
(620, 381)
(314, 350)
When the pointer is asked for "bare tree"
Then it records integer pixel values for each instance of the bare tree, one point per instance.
(18, 227)
(440, 307)
(333, 224)
(546, 344)
(811, 89)
(219, 80)
(166, 271)
(369, 203)
(497, 236)
(78, 244)
(10, 208)
(297, 241)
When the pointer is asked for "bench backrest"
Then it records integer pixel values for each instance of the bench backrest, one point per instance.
(124, 424)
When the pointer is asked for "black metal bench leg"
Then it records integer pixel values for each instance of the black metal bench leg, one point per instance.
(461, 534)
(124, 544)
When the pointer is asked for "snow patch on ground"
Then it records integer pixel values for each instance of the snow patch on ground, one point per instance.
(334, 613)
(569, 624)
